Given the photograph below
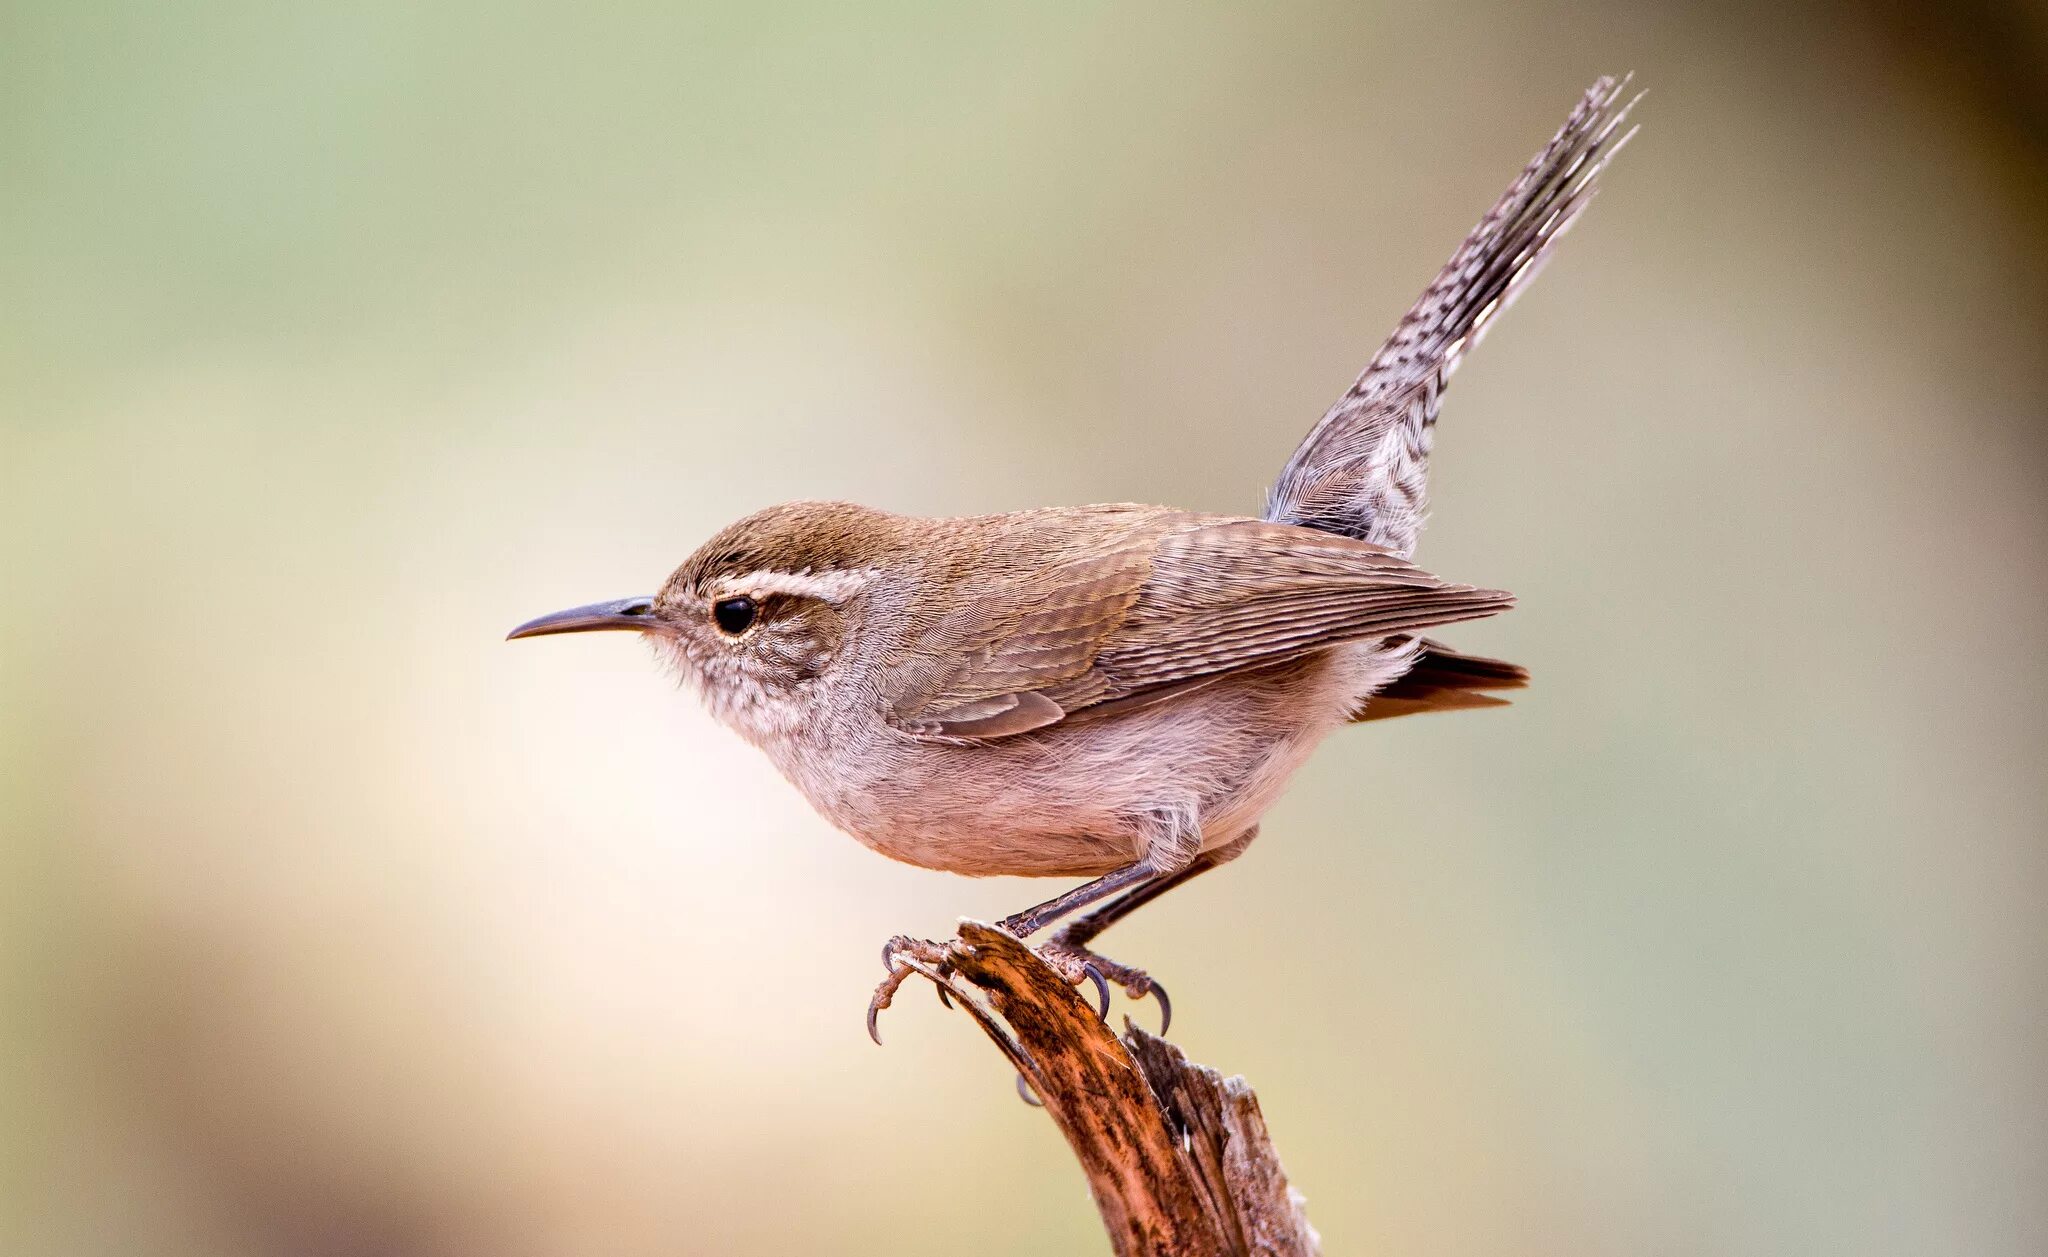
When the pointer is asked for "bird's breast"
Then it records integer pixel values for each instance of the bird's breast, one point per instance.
(1072, 799)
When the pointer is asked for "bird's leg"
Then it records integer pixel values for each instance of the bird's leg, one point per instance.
(1076, 965)
(1170, 838)
(1083, 930)
(1028, 922)
(1171, 848)
(1170, 852)
(1073, 938)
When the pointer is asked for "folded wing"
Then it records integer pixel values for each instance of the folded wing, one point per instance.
(1155, 602)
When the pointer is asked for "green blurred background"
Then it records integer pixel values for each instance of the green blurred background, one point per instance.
(337, 339)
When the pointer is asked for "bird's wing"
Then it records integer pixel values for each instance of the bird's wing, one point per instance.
(1170, 601)
(1362, 470)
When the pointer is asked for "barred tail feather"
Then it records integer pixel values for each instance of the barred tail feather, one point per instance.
(1362, 470)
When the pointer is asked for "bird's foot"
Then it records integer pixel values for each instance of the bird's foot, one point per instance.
(1075, 963)
(903, 956)
(1078, 965)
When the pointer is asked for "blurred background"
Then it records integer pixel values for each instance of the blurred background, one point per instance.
(338, 339)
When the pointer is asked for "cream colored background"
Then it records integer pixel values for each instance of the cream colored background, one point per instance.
(338, 339)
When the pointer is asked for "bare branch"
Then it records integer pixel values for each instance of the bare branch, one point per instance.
(1176, 1155)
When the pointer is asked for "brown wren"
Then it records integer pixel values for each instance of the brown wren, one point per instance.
(1111, 692)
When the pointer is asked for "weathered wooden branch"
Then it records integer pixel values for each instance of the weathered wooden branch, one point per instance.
(1176, 1155)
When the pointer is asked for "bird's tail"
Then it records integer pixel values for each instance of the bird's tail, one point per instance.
(1443, 679)
(1362, 470)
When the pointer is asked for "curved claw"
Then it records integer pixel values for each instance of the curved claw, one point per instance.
(1025, 1094)
(1101, 990)
(1158, 992)
(915, 960)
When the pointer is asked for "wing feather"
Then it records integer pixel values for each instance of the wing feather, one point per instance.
(1171, 600)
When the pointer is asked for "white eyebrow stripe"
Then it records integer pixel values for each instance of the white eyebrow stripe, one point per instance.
(834, 587)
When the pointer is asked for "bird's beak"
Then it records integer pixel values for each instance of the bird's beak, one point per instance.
(626, 613)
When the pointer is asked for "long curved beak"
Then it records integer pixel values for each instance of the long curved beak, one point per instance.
(626, 613)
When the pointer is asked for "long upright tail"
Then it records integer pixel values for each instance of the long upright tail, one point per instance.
(1363, 469)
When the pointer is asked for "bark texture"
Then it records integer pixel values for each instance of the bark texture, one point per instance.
(1177, 1156)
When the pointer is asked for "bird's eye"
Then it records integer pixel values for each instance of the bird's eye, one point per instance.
(734, 616)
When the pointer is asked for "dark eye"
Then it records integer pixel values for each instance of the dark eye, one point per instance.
(734, 616)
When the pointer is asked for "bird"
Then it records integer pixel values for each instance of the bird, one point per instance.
(1112, 692)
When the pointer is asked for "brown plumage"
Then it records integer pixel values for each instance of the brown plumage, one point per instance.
(1117, 692)
(1443, 680)
(1106, 607)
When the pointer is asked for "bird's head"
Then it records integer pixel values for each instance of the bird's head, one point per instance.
(764, 616)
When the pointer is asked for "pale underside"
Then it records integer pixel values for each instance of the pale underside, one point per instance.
(1101, 680)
